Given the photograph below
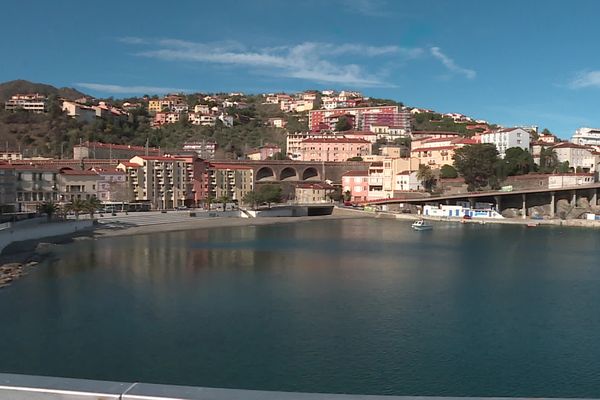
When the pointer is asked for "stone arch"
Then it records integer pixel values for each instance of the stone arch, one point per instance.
(311, 174)
(288, 174)
(265, 174)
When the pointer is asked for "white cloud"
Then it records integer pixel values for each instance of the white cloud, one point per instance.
(450, 64)
(317, 62)
(118, 89)
(585, 79)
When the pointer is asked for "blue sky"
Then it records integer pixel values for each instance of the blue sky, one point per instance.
(509, 62)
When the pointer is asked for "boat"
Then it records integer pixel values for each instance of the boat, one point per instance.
(421, 225)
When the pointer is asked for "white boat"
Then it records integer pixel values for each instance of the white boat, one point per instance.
(421, 225)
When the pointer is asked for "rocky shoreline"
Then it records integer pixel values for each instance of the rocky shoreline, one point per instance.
(17, 265)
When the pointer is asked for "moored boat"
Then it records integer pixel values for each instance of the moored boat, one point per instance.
(422, 225)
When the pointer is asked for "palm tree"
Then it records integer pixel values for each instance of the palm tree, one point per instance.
(92, 205)
(49, 208)
(425, 175)
(76, 206)
(224, 200)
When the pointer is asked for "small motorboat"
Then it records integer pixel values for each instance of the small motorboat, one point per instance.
(422, 225)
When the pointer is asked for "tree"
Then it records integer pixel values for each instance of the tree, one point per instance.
(355, 159)
(548, 160)
(76, 206)
(347, 195)
(224, 200)
(448, 172)
(269, 193)
(343, 124)
(251, 198)
(92, 205)
(518, 161)
(476, 163)
(425, 175)
(563, 167)
(49, 208)
(336, 195)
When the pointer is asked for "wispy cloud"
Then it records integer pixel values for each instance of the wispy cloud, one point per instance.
(118, 89)
(585, 79)
(317, 62)
(369, 8)
(450, 64)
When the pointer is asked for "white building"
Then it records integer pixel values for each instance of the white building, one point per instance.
(506, 138)
(586, 136)
(407, 181)
(33, 102)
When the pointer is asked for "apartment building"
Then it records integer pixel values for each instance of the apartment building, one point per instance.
(356, 183)
(35, 184)
(77, 184)
(32, 102)
(506, 138)
(112, 185)
(8, 187)
(323, 119)
(333, 149)
(436, 152)
(231, 181)
(160, 180)
(205, 149)
(580, 158)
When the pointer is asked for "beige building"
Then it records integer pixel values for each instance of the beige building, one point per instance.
(158, 180)
(73, 185)
(35, 184)
(306, 193)
(79, 112)
(436, 152)
(230, 180)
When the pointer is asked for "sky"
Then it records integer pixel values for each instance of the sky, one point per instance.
(508, 62)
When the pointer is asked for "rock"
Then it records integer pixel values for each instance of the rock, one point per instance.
(511, 213)
(32, 263)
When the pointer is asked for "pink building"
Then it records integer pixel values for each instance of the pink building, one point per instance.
(113, 185)
(333, 149)
(357, 183)
(319, 118)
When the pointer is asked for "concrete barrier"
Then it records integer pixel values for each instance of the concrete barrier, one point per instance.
(43, 230)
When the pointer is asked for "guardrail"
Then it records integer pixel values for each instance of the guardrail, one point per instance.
(21, 387)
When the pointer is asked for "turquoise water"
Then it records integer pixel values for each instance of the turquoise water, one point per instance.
(351, 306)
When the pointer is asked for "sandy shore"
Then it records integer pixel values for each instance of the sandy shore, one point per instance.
(218, 222)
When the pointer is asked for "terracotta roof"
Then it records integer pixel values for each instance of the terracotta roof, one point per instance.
(335, 140)
(159, 158)
(130, 164)
(228, 166)
(73, 172)
(433, 148)
(356, 173)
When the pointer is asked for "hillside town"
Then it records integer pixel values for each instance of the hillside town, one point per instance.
(353, 151)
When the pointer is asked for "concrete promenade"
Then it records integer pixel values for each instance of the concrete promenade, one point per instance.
(21, 387)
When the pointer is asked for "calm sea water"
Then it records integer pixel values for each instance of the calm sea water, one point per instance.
(351, 306)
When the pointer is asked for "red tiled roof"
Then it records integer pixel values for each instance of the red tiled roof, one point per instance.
(356, 173)
(159, 158)
(228, 166)
(130, 164)
(73, 172)
(335, 140)
(433, 148)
